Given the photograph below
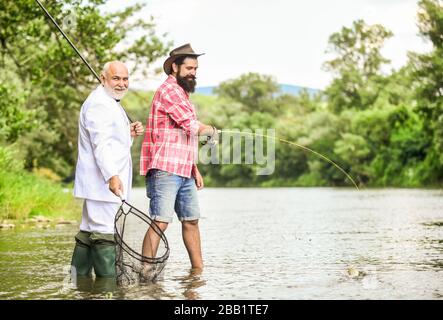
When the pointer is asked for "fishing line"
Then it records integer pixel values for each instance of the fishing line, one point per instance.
(301, 147)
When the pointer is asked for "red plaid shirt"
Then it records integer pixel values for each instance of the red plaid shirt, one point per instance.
(170, 141)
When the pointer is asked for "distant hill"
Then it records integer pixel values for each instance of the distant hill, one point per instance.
(285, 89)
(295, 90)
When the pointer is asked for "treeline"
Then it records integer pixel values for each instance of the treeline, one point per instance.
(384, 129)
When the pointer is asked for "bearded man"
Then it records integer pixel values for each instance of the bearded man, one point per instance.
(168, 155)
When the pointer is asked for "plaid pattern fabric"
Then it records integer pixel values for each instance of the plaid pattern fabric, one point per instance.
(170, 141)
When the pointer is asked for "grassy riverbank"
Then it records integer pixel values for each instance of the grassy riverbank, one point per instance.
(25, 196)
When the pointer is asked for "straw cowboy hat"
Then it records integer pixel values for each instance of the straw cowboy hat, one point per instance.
(184, 50)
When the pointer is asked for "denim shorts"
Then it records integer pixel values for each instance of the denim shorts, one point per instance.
(168, 193)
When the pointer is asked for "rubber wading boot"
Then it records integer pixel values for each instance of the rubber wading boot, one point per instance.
(103, 259)
(82, 257)
(103, 254)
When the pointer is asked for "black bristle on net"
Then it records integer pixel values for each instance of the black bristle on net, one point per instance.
(132, 267)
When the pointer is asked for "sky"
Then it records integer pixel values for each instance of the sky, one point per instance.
(282, 38)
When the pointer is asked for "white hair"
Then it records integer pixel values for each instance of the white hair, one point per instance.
(107, 65)
(106, 68)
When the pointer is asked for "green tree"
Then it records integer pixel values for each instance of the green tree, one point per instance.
(256, 92)
(14, 120)
(357, 66)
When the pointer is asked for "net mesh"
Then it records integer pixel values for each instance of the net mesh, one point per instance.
(132, 267)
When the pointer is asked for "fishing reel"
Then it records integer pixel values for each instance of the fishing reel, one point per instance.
(211, 140)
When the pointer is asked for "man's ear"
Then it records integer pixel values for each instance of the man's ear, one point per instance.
(102, 79)
(174, 68)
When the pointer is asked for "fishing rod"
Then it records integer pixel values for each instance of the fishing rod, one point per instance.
(67, 39)
(74, 47)
(301, 147)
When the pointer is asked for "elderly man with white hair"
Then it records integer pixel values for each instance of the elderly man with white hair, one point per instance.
(104, 170)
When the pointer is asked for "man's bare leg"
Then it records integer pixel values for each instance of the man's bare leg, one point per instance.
(191, 238)
(152, 240)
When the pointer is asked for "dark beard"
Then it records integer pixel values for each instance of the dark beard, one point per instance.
(187, 83)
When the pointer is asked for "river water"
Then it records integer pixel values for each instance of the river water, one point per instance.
(279, 243)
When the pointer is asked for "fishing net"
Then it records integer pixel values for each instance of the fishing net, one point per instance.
(132, 267)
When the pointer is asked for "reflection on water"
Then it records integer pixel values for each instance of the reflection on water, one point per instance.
(192, 282)
(95, 286)
(285, 243)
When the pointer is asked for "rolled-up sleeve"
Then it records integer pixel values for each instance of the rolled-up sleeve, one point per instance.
(180, 112)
